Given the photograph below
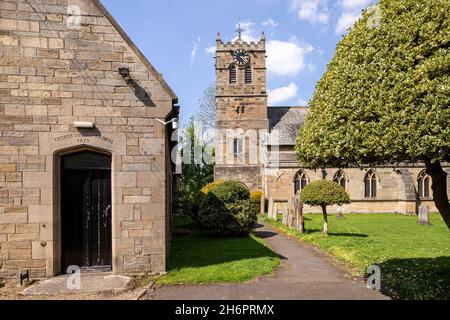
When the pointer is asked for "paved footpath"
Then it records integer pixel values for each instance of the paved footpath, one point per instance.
(304, 274)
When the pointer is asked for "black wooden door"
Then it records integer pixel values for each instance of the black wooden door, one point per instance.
(86, 211)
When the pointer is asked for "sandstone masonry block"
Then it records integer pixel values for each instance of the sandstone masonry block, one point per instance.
(51, 76)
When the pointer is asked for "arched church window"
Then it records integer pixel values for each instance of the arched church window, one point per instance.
(424, 185)
(341, 179)
(301, 180)
(248, 75)
(232, 74)
(370, 184)
(238, 147)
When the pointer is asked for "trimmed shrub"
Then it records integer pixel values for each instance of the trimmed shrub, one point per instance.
(324, 193)
(193, 213)
(230, 191)
(228, 209)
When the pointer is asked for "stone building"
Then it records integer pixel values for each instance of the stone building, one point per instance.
(241, 102)
(85, 168)
(255, 145)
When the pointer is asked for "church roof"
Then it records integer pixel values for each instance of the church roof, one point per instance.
(287, 121)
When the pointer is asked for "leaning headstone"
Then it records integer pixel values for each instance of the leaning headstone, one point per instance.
(340, 214)
(263, 205)
(299, 213)
(285, 217)
(424, 215)
(272, 214)
(291, 217)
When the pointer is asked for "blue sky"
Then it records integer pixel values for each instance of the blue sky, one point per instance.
(178, 37)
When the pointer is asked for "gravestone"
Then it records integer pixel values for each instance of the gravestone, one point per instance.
(424, 215)
(285, 217)
(272, 214)
(298, 210)
(340, 214)
(290, 217)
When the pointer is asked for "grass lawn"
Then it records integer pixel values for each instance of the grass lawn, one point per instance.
(414, 259)
(198, 258)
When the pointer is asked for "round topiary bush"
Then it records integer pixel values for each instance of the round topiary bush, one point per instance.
(324, 193)
(228, 210)
(230, 191)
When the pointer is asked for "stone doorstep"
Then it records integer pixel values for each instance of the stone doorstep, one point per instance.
(91, 283)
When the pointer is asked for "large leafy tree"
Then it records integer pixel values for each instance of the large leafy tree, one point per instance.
(385, 95)
(197, 145)
(196, 172)
(207, 107)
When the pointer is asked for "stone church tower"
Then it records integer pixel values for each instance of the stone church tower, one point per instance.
(241, 102)
(255, 145)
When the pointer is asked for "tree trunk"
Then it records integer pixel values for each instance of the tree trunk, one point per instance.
(439, 177)
(325, 220)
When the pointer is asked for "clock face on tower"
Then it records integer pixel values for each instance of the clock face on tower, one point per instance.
(241, 57)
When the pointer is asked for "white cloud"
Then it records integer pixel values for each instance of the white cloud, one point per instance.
(319, 11)
(282, 94)
(351, 12)
(320, 52)
(314, 11)
(355, 4)
(270, 23)
(194, 51)
(210, 50)
(346, 20)
(311, 67)
(248, 31)
(286, 58)
(303, 102)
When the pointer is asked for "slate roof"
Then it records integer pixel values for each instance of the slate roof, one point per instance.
(288, 121)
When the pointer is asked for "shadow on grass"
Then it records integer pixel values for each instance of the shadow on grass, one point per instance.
(416, 278)
(200, 249)
(338, 234)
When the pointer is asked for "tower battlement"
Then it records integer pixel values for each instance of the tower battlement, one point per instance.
(239, 43)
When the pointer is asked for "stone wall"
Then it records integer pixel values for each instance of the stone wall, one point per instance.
(50, 76)
(249, 175)
(395, 193)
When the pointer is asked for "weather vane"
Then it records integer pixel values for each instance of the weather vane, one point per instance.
(239, 30)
